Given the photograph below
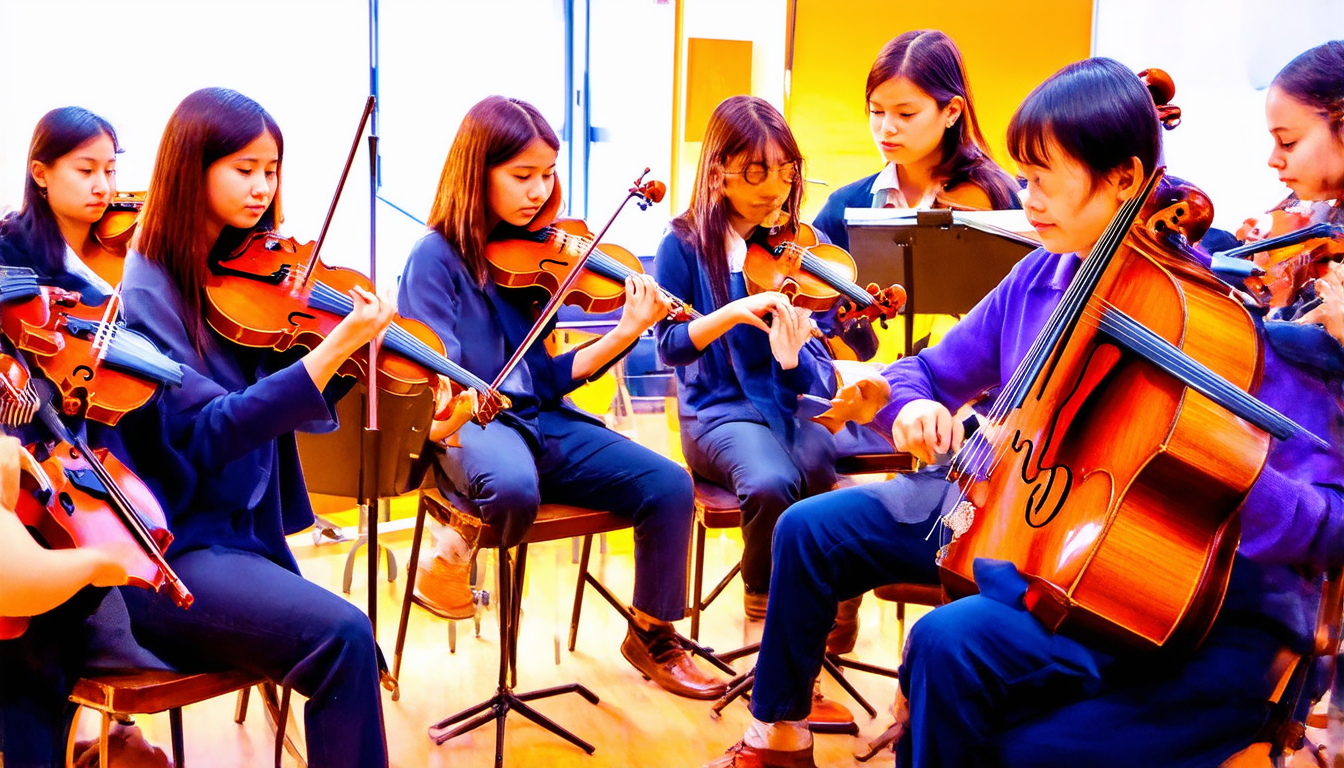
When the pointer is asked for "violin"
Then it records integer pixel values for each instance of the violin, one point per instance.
(73, 496)
(1113, 463)
(816, 275)
(273, 292)
(114, 232)
(1295, 253)
(102, 369)
(546, 257)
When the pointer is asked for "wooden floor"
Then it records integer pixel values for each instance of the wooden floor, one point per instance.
(636, 723)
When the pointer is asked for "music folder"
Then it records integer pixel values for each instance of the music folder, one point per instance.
(946, 260)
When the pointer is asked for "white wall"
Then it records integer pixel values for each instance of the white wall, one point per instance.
(1222, 56)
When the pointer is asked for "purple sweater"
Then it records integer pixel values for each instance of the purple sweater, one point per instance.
(1293, 517)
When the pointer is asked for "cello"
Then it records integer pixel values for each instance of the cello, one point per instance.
(1113, 463)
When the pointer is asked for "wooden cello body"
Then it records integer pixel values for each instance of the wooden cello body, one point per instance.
(1110, 483)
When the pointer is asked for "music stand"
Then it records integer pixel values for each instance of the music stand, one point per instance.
(946, 260)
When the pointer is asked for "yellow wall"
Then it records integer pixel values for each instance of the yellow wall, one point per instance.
(1007, 52)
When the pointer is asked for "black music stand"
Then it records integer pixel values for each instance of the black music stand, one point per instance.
(331, 462)
(946, 260)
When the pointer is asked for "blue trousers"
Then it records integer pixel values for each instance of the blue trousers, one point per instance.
(989, 685)
(586, 465)
(749, 460)
(253, 615)
(830, 548)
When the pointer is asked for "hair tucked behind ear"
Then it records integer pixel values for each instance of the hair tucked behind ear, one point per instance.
(208, 125)
(32, 230)
(930, 60)
(494, 132)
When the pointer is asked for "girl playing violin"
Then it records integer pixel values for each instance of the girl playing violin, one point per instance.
(499, 181)
(219, 451)
(72, 168)
(923, 121)
(986, 681)
(740, 377)
(70, 179)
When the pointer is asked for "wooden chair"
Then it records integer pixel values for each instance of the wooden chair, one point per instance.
(119, 696)
(554, 521)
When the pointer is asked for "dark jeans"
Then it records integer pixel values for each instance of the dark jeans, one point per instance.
(830, 548)
(585, 465)
(749, 460)
(253, 615)
(989, 685)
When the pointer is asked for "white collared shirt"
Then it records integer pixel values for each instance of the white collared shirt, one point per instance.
(737, 251)
(887, 181)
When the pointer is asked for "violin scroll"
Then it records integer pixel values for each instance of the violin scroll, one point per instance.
(887, 303)
(1179, 207)
(1163, 89)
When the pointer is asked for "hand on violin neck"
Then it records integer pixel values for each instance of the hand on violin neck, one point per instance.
(645, 305)
(927, 430)
(1330, 313)
(452, 412)
(368, 320)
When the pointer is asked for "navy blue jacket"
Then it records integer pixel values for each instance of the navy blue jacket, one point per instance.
(219, 451)
(831, 220)
(481, 326)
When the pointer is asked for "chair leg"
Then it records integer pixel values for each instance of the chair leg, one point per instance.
(407, 595)
(900, 627)
(281, 720)
(578, 591)
(699, 578)
(240, 709)
(175, 725)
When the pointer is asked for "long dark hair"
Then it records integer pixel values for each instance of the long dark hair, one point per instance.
(740, 126)
(1316, 78)
(1096, 111)
(494, 132)
(930, 60)
(209, 124)
(32, 230)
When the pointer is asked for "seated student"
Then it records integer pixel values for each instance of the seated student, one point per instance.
(69, 180)
(739, 378)
(987, 682)
(499, 178)
(219, 451)
(923, 121)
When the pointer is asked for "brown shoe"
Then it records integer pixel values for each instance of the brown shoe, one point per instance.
(846, 630)
(444, 588)
(660, 656)
(742, 756)
(754, 604)
(827, 714)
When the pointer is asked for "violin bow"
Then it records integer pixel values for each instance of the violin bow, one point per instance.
(648, 193)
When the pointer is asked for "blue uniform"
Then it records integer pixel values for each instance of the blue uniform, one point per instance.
(989, 684)
(544, 449)
(740, 426)
(90, 632)
(219, 453)
(856, 194)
